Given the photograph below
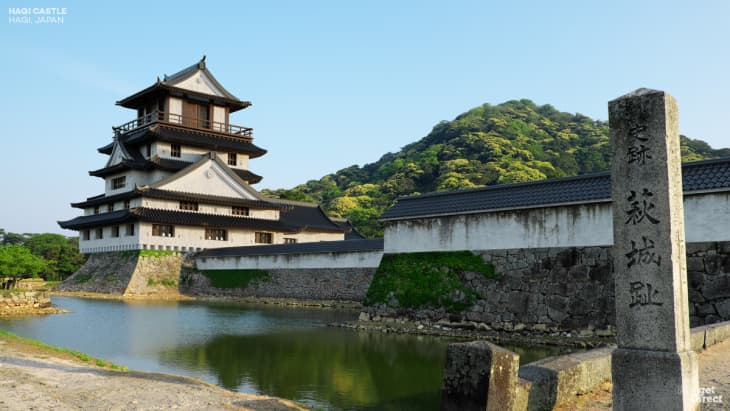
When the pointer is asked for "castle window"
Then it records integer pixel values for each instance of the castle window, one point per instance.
(130, 229)
(189, 205)
(290, 240)
(115, 231)
(163, 230)
(110, 207)
(204, 115)
(99, 233)
(232, 159)
(149, 150)
(86, 235)
(239, 210)
(175, 150)
(216, 234)
(127, 203)
(264, 238)
(119, 182)
(96, 210)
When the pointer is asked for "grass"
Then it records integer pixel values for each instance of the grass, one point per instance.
(434, 279)
(148, 253)
(73, 353)
(166, 282)
(235, 278)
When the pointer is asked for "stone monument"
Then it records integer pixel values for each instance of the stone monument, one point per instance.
(654, 367)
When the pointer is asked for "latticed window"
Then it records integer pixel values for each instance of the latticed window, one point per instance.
(110, 207)
(99, 233)
(87, 235)
(127, 203)
(189, 205)
(264, 238)
(130, 229)
(232, 159)
(218, 234)
(119, 182)
(175, 150)
(115, 231)
(163, 230)
(239, 210)
(290, 240)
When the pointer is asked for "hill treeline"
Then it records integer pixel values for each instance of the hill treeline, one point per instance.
(515, 141)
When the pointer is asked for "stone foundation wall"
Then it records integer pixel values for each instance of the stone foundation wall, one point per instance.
(572, 290)
(23, 302)
(127, 273)
(341, 284)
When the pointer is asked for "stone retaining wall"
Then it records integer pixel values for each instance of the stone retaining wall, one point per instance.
(341, 284)
(23, 302)
(127, 273)
(572, 290)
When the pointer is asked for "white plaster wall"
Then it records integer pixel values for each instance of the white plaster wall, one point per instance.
(310, 237)
(209, 178)
(359, 259)
(193, 154)
(135, 178)
(707, 218)
(109, 243)
(209, 209)
(200, 83)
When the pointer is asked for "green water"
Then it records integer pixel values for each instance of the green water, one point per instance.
(284, 352)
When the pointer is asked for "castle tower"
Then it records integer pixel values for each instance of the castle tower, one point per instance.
(177, 178)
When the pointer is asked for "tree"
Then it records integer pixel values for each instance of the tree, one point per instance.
(14, 239)
(17, 262)
(61, 254)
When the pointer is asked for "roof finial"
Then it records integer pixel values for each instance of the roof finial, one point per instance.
(201, 64)
(158, 79)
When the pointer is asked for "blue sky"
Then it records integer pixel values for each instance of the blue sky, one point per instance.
(334, 83)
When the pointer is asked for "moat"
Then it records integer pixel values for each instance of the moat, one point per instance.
(283, 352)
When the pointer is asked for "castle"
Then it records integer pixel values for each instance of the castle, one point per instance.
(178, 178)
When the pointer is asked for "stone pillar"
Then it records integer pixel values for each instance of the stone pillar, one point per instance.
(654, 367)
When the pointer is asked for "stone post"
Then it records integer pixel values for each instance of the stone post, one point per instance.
(654, 367)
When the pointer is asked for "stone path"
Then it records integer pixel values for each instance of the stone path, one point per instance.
(714, 378)
(31, 379)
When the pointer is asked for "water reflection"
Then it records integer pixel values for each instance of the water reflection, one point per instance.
(339, 368)
(284, 352)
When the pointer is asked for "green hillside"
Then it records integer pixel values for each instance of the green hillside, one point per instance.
(510, 142)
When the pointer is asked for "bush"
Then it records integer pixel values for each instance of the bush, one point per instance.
(420, 280)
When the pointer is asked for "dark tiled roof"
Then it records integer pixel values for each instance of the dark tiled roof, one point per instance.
(298, 248)
(169, 84)
(178, 196)
(306, 216)
(89, 221)
(696, 176)
(195, 138)
(207, 198)
(350, 232)
(165, 164)
(173, 217)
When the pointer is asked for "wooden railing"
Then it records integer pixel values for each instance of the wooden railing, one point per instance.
(193, 122)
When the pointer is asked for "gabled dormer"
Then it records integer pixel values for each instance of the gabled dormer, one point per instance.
(191, 98)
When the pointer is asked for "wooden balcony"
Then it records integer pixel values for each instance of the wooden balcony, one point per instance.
(229, 130)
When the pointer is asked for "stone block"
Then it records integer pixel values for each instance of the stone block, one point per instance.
(713, 263)
(555, 381)
(644, 380)
(479, 375)
(717, 287)
(695, 264)
(723, 309)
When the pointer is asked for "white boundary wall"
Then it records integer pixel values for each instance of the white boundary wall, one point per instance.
(347, 259)
(707, 218)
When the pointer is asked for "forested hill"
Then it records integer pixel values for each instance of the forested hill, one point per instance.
(510, 142)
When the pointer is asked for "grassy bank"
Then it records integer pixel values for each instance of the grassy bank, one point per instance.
(28, 344)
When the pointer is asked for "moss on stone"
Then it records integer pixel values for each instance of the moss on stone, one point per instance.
(82, 278)
(427, 280)
(235, 278)
(165, 282)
